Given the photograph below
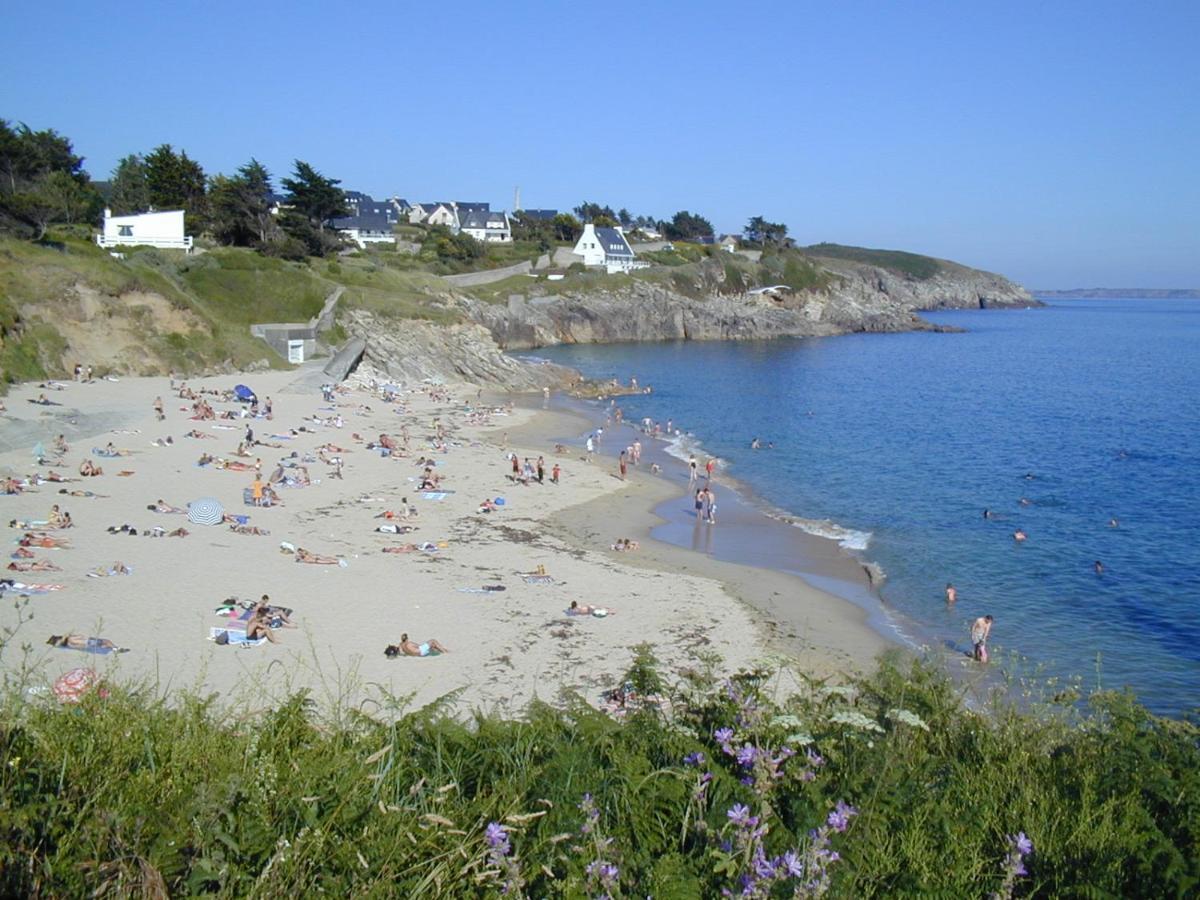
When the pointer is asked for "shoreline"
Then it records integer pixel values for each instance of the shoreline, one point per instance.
(805, 611)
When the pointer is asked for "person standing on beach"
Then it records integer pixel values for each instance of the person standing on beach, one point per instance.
(709, 467)
(541, 469)
(980, 629)
(622, 465)
(637, 452)
(591, 447)
(554, 473)
(692, 473)
(158, 409)
(711, 506)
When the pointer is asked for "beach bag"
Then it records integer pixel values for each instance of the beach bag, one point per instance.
(222, 638)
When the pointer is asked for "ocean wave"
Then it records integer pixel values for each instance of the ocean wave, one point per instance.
(682, 446)
(847, 538)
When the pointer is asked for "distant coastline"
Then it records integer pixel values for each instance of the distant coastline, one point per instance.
(1121, 294)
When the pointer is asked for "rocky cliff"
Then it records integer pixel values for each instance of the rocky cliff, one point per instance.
(411, 350)
(851, 297)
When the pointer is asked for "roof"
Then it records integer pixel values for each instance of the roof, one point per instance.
(613, 242)
(367, 222)
(543, 214)
(483, 219)
(473, 207)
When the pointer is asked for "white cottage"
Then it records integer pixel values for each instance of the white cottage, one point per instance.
(606, 247)
(152, 229)
(366, 228)
(487, 227)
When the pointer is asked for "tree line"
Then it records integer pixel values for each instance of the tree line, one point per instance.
(43, 182)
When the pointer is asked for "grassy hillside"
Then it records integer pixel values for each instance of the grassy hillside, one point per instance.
(912, 265)
(886, 788)
(156, 310)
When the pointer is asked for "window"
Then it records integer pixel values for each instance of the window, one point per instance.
(125, 230)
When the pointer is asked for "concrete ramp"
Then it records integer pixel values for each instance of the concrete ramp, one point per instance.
(344, 361)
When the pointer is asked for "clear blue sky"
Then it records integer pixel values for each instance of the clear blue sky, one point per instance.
(1057, 143)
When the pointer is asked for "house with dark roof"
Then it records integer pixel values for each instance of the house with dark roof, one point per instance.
(606, 247)
(535, 215)
(464, 207)
(488, 227)
(366, 228)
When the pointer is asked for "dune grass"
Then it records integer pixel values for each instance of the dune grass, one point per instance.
(913, 265)
(125, 794)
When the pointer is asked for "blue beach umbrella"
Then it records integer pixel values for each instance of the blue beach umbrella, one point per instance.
(244, 393)
(206, 511)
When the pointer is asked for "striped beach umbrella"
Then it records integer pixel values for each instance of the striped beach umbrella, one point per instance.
(206, 511)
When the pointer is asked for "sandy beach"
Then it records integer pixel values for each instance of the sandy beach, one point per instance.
(506, 647)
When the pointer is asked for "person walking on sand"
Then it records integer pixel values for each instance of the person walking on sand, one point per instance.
(554, 473)
(980, 629)
(158, 409)
(591, 447)
(541, 470)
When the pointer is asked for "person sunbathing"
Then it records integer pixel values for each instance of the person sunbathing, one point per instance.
(206, 459)
(117, 568)
(488, 506)
(45, 541)
(162, 506)
(248, 529)
(307, 556)
(110, 450)
(80, 493)
(584, 610)
(259, 626)
(278, 616)
(38, 565)
(89, 469)
(11, 486)
(431, 647)
(56, 477)
(79, 642)
(178, 532)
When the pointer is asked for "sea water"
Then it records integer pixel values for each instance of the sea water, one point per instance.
(1056, 420)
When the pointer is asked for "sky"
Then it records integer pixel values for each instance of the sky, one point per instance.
(1057, 143)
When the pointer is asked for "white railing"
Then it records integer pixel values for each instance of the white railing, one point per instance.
(184, 243)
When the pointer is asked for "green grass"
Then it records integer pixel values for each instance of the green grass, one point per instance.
(913, 265)
(127, 793)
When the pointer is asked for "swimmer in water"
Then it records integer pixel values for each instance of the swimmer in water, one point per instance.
(1025, 501)
(1113, 523)
(1098, 567)
(1019, 535)
(951, 594)
(987, 514)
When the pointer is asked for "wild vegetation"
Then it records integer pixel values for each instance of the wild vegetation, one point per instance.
(886, 787)
(913, 265)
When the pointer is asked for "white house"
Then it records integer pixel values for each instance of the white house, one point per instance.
(488, 227)
(435, 214)
(366, 228)
(606, 247)
(152, 229)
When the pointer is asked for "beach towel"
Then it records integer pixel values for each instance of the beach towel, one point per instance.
(486, 589)
(537, 579)
(233, 637)
(435, 495)
(93, 646)
(97, 451)
(71, 686)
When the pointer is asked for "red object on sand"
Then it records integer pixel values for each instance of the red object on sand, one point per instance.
(71, 686)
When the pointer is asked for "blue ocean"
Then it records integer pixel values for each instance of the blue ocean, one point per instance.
(1078, 424)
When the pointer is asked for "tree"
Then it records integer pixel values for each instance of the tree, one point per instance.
(624, 217)
(566, 227)
(760, 231)
(41, 181)
(241, 207)
(175, 181)
(130, 187)
(604, 222)
(313, 200)
(589, 212)
(687, 226)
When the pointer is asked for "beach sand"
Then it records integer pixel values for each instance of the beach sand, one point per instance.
(506, 647)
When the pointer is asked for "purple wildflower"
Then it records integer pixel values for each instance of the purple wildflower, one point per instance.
(1021, 843)
(789, 865)
(723, 736)
(746, 755)
(694, 759)
(839, 818)
(496, 837)
(739, 814)
(815, 759)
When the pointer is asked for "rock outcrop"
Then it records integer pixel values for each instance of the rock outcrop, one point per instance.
(412, 350)
(857, 298)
